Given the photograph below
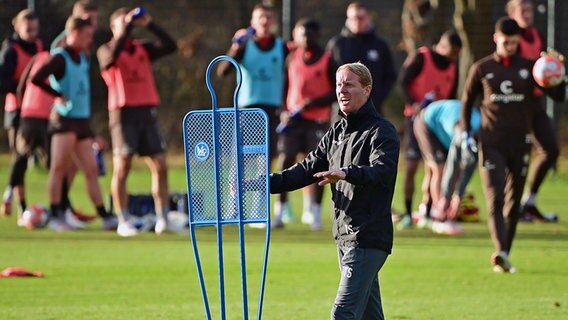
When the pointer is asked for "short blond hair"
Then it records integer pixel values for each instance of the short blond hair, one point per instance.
(25, 14)
(360, 70)
(75, 23)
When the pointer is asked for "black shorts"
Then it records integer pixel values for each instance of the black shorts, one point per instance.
(33, 134)
(411, 148)
(302, 136)
(80, 127)
(430, 146)
(134, 130)
(11, 119)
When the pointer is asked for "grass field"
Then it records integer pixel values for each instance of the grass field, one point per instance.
(97, 275)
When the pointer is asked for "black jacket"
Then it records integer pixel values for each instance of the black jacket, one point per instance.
(366, 146)
(373, 52)
(9, 61)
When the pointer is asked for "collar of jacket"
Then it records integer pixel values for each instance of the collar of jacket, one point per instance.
(353, 120)
(348, 34)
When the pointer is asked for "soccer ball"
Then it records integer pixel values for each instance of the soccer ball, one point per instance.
(34, 217)
(177, 221)
(548, 71)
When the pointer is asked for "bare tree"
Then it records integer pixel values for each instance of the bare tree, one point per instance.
(473, 22)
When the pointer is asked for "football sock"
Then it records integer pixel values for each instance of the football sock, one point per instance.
(102, 212)
(23, 205)
(278, 209)
(408, 206)
(8, 194)
(56, 210)
(65, 202)
(529, 199)
(307, 202)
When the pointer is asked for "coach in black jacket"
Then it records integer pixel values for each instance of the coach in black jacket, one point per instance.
(359, 157)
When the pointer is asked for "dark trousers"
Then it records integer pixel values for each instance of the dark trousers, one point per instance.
(546, 144)
(503, 171)
(358, 296)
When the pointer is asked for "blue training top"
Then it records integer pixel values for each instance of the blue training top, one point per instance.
(263, 75)
(442, 116)
(74, 85)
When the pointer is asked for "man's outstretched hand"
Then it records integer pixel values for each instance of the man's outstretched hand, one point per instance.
(330, 176)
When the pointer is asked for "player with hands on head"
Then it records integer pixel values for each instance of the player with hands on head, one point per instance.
(133, 100)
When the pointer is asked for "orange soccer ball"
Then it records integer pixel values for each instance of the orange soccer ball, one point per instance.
(548, 71)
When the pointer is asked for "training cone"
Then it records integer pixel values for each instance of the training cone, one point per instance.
(19, 272)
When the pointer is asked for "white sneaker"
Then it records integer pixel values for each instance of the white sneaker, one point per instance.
(58, 225)
(446, 227)
(257, 225)
(73, 221)
(161, 225)
(287, 214)
(501, 263)
(424, 223)
(125, 229)
(307, 217)
(178, 221)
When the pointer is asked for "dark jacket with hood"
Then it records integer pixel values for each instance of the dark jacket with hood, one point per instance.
(365, 145)
(372, 51)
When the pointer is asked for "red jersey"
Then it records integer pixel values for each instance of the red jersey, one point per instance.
(36, 103)
(431, 78)
(308, 82)
(531, 50)
(130, 80)
(23, 59)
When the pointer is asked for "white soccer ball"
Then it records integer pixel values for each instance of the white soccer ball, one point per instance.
(548, 71)
(177, 221)
(34, 217)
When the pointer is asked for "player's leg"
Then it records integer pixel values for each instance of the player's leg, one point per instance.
(160, 192)
(412, 160)
(62, 145)
(121, 165)
(358, 292)
(152, 147)
(516, 178)
(313, 194)
(492, 169)
(23, 148)
(434, 155)
(11, 124)
(547, 154)
(290, 144)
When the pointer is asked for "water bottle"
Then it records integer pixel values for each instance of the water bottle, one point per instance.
(100, 159)
(283, 127)
(138, 12)
(245, 37)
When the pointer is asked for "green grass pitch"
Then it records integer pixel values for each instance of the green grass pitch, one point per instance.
(93, 274)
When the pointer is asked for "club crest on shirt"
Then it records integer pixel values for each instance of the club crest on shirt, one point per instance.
(524, 73)
(489, 76)
(373, 55)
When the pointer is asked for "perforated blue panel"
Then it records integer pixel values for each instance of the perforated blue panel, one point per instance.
(203, 182)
